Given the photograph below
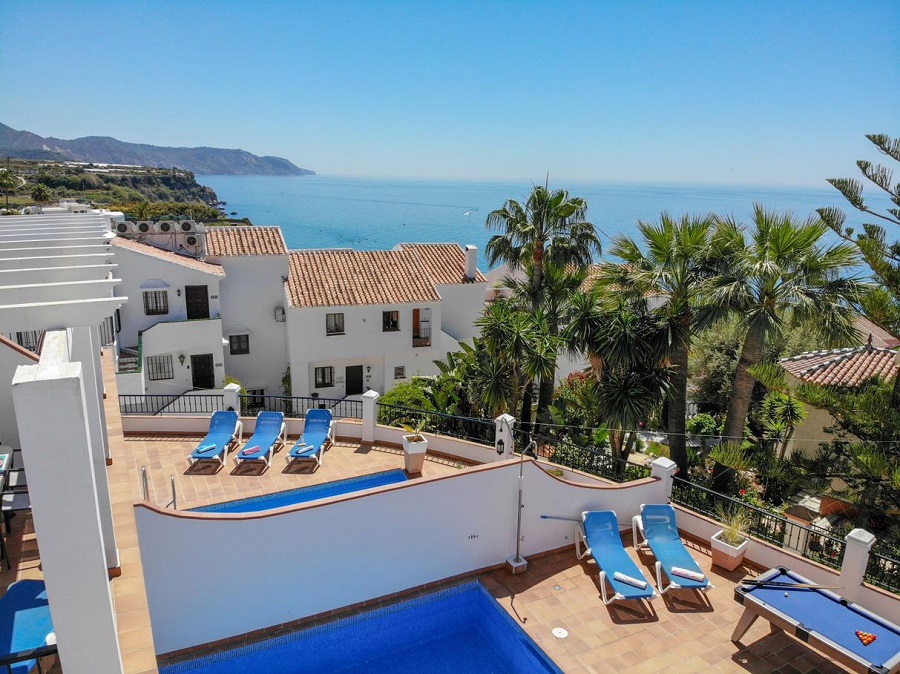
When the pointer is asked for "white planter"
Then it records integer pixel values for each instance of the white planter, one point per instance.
(414, 454)
(725, 555)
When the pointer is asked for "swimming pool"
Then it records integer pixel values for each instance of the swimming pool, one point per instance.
(461, 630)
(305, 494)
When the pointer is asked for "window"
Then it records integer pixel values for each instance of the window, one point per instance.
(324, 377)
(400, 372)
(334, 324)
(390, 321)
(156, 302)
(159, 367)
(239, 344)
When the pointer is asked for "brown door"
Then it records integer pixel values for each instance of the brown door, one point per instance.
(354, 379)
(196, 299)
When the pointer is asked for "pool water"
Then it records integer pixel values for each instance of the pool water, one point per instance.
(305, 494)
(461, 630)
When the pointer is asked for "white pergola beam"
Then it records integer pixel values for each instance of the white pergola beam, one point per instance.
(58, 315)
(25, 244)
(88, 272)
(56, 292)
(52, 251)
(53, 261)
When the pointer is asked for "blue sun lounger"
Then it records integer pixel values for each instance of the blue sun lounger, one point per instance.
(268, 433)
(26, 630)
(657, 529)
(224, 427)
(318, 431)
(598, 532)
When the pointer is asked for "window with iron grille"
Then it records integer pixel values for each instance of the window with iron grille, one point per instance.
(324, 376)
(334, 324)
(390, 321)
(159, 367)
(239, 344)
(400, 372)
(156, 302)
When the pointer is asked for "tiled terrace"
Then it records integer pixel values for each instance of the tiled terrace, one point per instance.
(683, 632)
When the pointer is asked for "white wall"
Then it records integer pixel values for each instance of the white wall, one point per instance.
(253, 287)
(135, 270)
(317, 557)
(10, 359)
(461, 307)
(184, 338)
(364, 343)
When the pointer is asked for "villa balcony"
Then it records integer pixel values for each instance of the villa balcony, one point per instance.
(422, 338)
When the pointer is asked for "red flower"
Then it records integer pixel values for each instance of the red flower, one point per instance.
(743, 492)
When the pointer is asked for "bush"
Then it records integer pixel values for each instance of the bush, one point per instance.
(409, 395)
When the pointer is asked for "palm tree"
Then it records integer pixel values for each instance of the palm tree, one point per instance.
(668, 265)
(9, 182)
(626, 347)
(521, 343)
(783, 273)
(548, 229)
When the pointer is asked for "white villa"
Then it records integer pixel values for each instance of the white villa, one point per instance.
(137, 580)
(345, 321)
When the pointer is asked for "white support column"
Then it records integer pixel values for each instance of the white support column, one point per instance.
(856, 559)
(503, 432)
(56, 447)
(370, 416)
(231, 397)
(82, 349)
(98, 369)
(665, 470)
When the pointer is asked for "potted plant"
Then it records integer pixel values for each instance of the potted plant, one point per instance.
(414, 447)
(729, 544)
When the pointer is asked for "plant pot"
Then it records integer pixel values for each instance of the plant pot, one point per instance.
(727, 556)
(414, 453)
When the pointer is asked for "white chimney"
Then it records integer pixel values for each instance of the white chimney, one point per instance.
(471, 262)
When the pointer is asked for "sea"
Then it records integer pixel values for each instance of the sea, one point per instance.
(377, 214)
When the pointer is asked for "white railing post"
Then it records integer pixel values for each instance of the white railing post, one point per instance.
(370, 416)
(664, 469)
(503, 433)
(231, 397)
(856, 559)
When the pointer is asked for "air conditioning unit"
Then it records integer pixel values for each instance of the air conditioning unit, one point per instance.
(279, 314)
(123, 228)
(187, 226)
(142, 227)
(164, 227)
(191, 241)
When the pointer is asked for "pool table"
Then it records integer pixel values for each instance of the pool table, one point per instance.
(822, 619)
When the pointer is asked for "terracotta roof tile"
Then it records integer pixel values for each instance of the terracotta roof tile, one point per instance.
(843, 367)
(444, 262)
(168, 256)
(344, 277)
(224, 241)
(879, 336)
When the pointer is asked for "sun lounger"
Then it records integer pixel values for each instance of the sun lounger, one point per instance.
(224, 428)
(598, 532)
(318, 432)
(26, 629)
(268, 433)
(657, 529)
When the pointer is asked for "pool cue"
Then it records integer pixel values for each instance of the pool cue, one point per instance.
(790, 586)
(565, 519)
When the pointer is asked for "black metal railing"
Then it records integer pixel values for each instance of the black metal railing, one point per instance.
(422, 337)
(811, 542)
(170, 404)
(481, 431)
(883, 571)
(588, 459)
(297, 407)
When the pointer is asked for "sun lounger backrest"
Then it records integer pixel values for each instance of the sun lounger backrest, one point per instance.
(659, 522)
(317, 420)
(223, 421)
(601, 525)
(269, 422)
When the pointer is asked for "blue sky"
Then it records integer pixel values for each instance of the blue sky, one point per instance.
(761, 93)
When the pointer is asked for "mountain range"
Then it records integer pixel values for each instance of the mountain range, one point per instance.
(106, 150)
